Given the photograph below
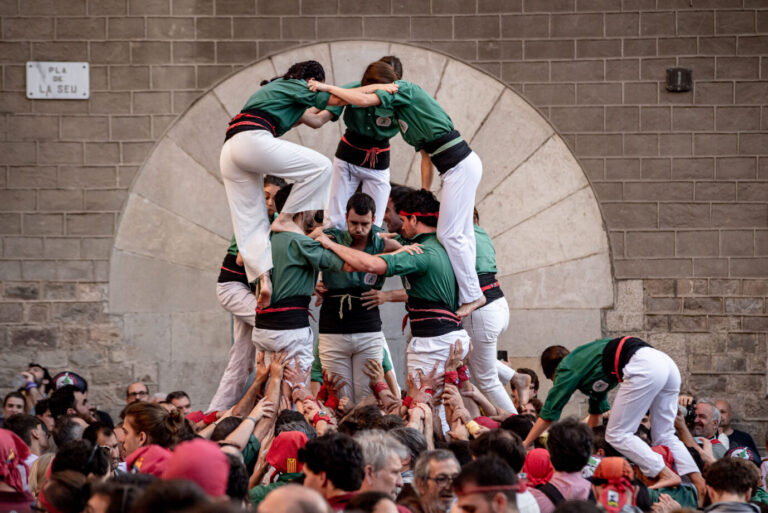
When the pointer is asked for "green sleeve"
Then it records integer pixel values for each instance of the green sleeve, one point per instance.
(404, 263)
(685, 495)
(316, 255)
(232, 250)
(598, 405)
(391, 101)
(251, 453)
(302, 95)
(386, 362)
(566, 382)
(257, 493)
(316, 372)
(335, 111)
(760, 496)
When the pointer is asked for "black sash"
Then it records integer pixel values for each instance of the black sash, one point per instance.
(447, 158)
(287, 314)
(490, 287)
(431, 318)
(364, 151)
(251, 119)
(343, 312)
(230, 271)
(628, 349)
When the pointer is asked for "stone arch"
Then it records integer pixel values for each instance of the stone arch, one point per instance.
(534, 200)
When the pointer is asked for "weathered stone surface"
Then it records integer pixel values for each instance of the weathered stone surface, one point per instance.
(350, 58)
(197, 143)
(235, 90)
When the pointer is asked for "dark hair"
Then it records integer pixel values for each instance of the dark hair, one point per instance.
(339, 456)
(532, 374)
(397, 66)
(104, 418)
(81, 456)
(732, 475)
(289, 420)
(397, 192)
(162, 427)
(551, 358)
(460, 449)
(93, 431)
(387, 422)
(366, 502)
(17, 395)
(502, 444)
(275, 180)
(281, 197)
(224, 427)
(518, 424)
(42, 406)
(487, 471)
(362, 203)
(67, 491)
(47, 387)
(286, 416)
(598, 442)
(62, 400)
(237, 484)
(23, 424)
(170, 496)
(122, 490)
(361, 419)
(537, 404)
(66, 429)
(569, 445)
(305, 70)
(378, 72)
(424, 202)
(412, 439)
(178, 394)
(574, 506)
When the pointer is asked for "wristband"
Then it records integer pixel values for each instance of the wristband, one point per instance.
(408, 401)
(429, 391)
(452, 378)
(210, 418)
(30, 386)
(322, 394)
(378, 387)
(321, 415)
(253, 419)
(463, 373)
(332, 402)
(472, 427)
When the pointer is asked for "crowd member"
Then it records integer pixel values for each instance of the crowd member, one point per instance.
(43, 412)
(736, 438)
(382, 461)
(70, 400)
(614, 487)
(68, 427)
(136, 392)
(65, 492)
(34, 433)
(486, 485)
(179, 399)
(706, 425)
(149, 423)
(293, 498)
(433, 475)
(333, 466)
(13, 472)
(83, 457)
(730, 484)
(13, 403)
(117, 494)
(103, 436)
(283, 459)
(538, 467)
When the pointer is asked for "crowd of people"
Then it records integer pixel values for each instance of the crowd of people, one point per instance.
(304, 422)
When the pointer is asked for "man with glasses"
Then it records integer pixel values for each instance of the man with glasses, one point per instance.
(433, 475)
(136, 392)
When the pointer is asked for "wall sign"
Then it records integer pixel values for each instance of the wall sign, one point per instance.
(58, 80)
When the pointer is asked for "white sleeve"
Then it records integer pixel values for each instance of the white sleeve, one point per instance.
(505, 373)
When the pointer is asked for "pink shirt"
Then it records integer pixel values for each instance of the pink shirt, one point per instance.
(570, 484)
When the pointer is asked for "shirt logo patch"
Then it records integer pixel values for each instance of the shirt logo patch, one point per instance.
(370, 278)
(406, 283)
(599, 386)
(382, 121)
(403, 125)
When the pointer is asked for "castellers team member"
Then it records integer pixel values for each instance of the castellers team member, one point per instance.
(236, 296)
(648, 380)
(362, 155)
(429, 282)
(350, 333)
(284, 325)
(428, 128)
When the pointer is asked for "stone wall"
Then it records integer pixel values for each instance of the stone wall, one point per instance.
(681, 178)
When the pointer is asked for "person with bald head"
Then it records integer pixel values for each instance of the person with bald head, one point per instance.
(293, 499)
(735, 437)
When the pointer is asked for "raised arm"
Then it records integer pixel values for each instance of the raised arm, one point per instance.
(359, 96)
(356, 260)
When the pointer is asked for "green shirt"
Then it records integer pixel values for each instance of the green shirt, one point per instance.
(286, 101)
(581, 370)
(685, 495)
(485, 262)
(296, 261)
(428, 275)
(233, 247)
(365, 120)
(251, 453)
(257, 493)
(420, 118)
(342, 280)
(316, 372)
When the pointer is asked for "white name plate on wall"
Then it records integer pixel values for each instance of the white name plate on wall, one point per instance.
(58, 80)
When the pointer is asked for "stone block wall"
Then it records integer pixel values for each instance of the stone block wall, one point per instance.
(682, 179)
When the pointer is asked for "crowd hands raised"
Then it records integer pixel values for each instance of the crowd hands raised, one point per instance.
(282, 447)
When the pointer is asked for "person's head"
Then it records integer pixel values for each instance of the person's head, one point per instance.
(433, 476)
(13, 403)
(397, 66)
(65, 491)
(360, 211)
(82, 456)
(418, 213)
(551, 358)
(732, 479)
(726, 413)
(293, 498)
(104, 436)
(180, 400)
(538, 467)
(533, 388)
(382, 461)
(272, 184)
(13, 452)
(136, 392)
(170, 496)
(365, 417)
(518, 424)
(486, 485)
(532, 407)
(224, 427)
(283, 454)
(69, 400)
(378, 72)
(237, 479)
(500, 443)
(599, 445)
(148, 423)
(118, 494)
(707, 419)
(389, 422)
(306, 70)
(392, 212)
(613, 484)
(30, 429)
(43, 412)
(68, 427)
(413, 440)
(332, 462)
(200, 461)
(569, 445)
(305, 220)
(371, 502)
(38, 471)
(42, 376)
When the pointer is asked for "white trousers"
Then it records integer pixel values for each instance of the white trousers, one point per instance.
(245, 159)
(345, 354)
(237, 299)
(484, 326)
(297, 342)
(455, 228)
(346, 178)
(424, 352)
(651, 382)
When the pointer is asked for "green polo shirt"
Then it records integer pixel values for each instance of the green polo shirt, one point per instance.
(251, 453)
(286, 101)
(428, 275)
(343, 280)
(257, 493)
(485, 262)
(365, 120)
(232, 250)
(581, 370)
(296, 261)
(420, 118)
(686, 496)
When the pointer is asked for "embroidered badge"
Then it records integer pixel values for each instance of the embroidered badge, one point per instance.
(370, 278)
(382, 121)
(599, 386)
(403, 125)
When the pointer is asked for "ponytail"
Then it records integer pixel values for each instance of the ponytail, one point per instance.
(378, 72)
(179, 427)
(395, 63)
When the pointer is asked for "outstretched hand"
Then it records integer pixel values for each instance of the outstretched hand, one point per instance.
(316, 86)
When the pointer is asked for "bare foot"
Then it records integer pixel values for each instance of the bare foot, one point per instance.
(284, 223)
(666, 479)
(265, 292)
(522, 383)
(468, 308)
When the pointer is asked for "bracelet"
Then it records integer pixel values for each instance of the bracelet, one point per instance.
(408, 401)
(30, 386)
(452, 378)
(254, 420)
(318, 417)
(332, 402)
(463, 373)
(378, 387)
(472, 427)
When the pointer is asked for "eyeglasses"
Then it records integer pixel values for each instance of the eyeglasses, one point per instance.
(443, 480)
(137, 394)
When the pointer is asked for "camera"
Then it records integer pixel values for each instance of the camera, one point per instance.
(690, 413)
